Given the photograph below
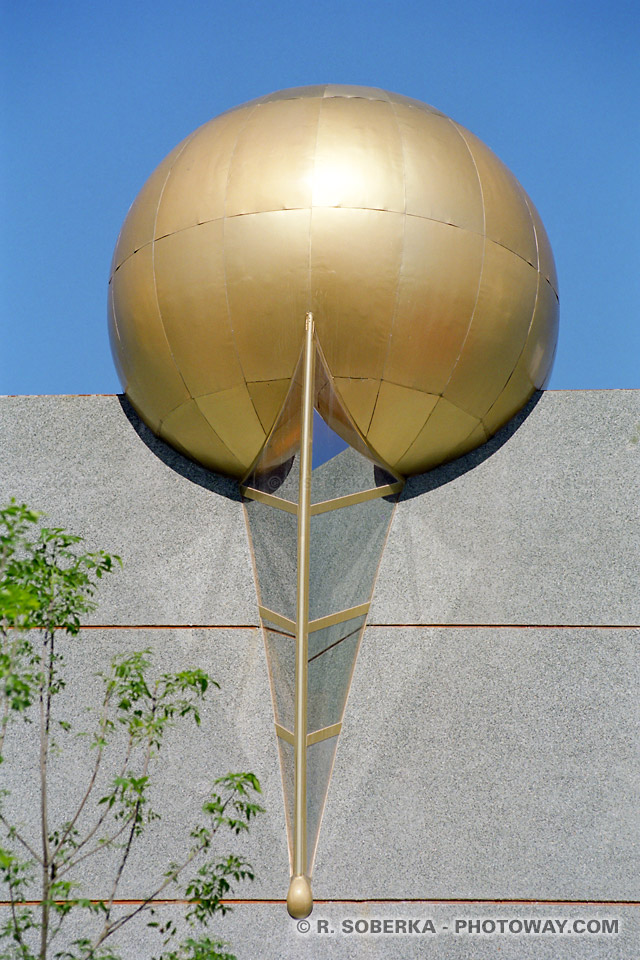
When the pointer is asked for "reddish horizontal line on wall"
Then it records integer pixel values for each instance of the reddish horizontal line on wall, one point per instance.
(445, 900)
(171, 626)
(377, 626)
(4, 396)
(508, 626)
(440, 900)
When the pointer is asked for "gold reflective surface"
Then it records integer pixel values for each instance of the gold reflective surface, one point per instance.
(139, 227)
(154, 383)
(507, 219)
(190, 282)
(495, 337)
(196, 190)
(427, 268)
(434, 306)
(441, 181)
(345, 149)
(272, 158)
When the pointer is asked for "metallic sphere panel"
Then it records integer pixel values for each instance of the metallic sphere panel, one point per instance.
(425, 265)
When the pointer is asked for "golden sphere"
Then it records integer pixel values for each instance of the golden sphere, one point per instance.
(426, 267)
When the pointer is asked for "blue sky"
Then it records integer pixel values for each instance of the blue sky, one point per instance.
(96, 94)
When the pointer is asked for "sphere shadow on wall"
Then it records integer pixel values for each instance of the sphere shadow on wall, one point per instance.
(185, 467)
(426, 267)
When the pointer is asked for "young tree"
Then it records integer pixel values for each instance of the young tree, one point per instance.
(47, 584)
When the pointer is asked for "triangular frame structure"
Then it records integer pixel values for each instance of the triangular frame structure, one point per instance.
(311, 386)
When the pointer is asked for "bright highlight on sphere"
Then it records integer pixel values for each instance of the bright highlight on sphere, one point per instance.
(425, 265)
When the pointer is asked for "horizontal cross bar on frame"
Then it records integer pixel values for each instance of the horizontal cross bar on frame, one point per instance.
(316, 737)
(326, 505)
(270, 500)
(285, 734)
(329, 621)
(353, 498)
(324, 734)
(277, 618)
(338, 617)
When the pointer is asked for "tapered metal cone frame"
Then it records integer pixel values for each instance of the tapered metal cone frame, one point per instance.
(311, 386)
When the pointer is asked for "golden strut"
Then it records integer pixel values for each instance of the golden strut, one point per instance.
(299, 897)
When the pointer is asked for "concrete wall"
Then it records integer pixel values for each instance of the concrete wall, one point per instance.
(489, 748)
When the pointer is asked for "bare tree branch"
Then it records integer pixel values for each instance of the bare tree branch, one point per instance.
(71, 863)
(92, 780)
(14, 833)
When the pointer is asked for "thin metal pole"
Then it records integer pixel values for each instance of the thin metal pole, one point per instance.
(299, 898)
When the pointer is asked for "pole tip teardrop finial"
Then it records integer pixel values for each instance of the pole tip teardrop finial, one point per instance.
(299, 897)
